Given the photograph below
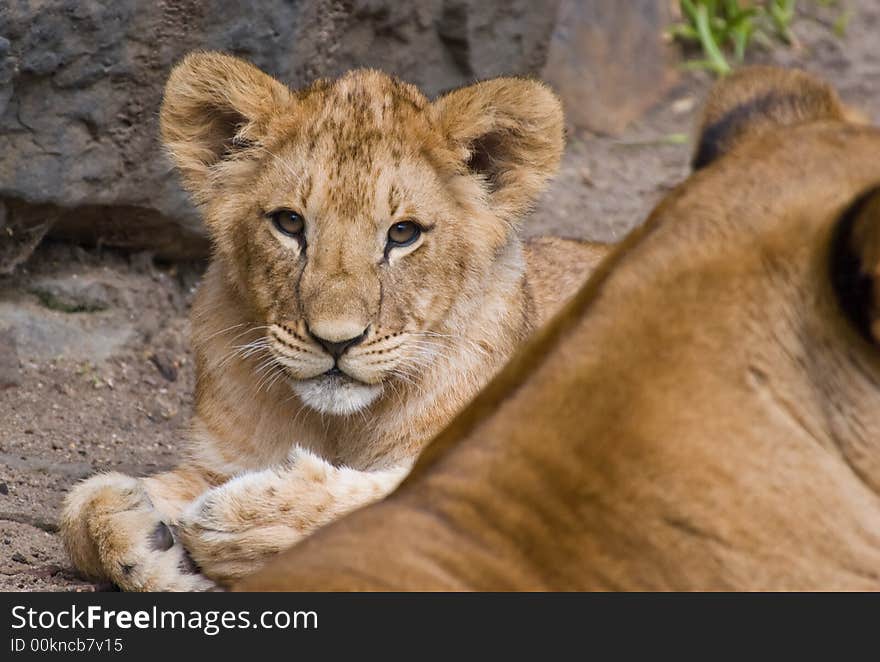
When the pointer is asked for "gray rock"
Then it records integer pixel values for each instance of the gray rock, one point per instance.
(81, 83)
(19, 236)
(41, 334)
(166, 364)
(609, 61)
(79, 293)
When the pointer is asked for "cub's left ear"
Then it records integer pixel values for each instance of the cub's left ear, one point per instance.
(509, 133)
(855, 264)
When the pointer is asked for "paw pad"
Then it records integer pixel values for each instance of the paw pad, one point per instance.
(161, 538)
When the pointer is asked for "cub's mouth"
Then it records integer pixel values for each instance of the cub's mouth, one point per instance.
(335, 392)
(337, 377)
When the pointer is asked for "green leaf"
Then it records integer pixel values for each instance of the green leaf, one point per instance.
(710, 47)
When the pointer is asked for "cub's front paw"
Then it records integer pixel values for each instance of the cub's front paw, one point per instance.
(113, 532)
(234, 529)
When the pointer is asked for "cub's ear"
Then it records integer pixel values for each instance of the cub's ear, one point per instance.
(509, 133)
(756, 99)
(855, 264)
(213, 105)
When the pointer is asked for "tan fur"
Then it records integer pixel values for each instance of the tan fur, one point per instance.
(705, 413)
(757, 99)
(277, 447)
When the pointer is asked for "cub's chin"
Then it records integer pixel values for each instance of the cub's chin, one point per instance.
(335, 394)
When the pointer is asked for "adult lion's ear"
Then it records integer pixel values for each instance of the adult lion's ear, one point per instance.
(855, 264)
(213, 105)
(755, 99)
(509, 133)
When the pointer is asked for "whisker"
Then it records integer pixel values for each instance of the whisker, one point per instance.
(279, 374)
(244, 351)
(228, 328)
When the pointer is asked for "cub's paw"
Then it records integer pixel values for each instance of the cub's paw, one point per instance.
(113, 532)
(234, 529)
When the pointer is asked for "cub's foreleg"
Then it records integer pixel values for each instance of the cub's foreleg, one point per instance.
(121, 529)
(233, 529)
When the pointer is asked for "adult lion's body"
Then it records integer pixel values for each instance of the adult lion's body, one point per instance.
(368, 280)
(705, 414)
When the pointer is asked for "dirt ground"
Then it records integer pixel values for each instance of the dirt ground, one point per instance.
(101, 376)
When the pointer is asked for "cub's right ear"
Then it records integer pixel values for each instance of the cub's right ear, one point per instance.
(508, 132)
(755, 99)
(214, 104)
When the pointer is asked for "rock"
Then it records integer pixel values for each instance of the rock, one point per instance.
(74, 312)
(609, 61)
(19, 236)
(80, 88)
(164, 408)
(18, 557)
(79, 292)
(41, 334)
(166, 364)
(4, 489)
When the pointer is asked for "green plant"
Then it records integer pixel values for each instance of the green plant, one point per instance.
(713, 25)
(733, 25)
(781, 13)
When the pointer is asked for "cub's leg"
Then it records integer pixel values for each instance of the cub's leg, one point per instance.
(120, 528)
(231, 530)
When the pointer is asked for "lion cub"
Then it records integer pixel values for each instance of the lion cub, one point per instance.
(367, 280)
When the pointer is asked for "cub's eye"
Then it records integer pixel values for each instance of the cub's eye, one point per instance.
(403, 233)
(288, 222)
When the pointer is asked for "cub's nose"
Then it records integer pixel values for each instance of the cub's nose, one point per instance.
(337, 341)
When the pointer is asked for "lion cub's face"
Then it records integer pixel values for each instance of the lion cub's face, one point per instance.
(356, 216)
(361, 247)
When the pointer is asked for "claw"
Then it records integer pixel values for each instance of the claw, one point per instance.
(188, 564)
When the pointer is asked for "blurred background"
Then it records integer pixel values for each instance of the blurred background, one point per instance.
(100, 251)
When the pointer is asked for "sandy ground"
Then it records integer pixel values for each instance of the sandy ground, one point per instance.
(102, 378)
